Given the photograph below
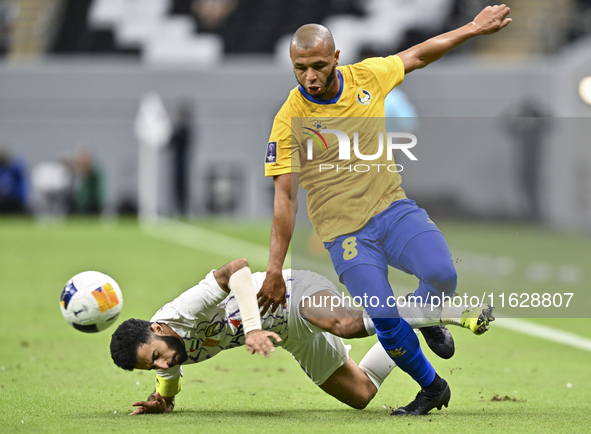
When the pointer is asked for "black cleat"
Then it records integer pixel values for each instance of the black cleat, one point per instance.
(426, 400)
(439, 340)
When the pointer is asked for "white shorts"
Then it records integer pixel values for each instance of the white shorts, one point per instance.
(319, 353)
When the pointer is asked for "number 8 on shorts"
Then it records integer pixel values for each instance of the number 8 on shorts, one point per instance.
(349, 245)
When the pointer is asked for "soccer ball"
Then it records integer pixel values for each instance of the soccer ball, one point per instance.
(91, 301)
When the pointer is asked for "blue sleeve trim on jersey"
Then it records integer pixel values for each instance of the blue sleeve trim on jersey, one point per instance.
(323, 101)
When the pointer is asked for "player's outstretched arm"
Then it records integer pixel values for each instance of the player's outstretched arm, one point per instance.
(156, 403)
(490, 20)
(285, 206)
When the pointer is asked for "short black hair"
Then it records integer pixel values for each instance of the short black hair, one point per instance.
(309, 35)
(127, 338)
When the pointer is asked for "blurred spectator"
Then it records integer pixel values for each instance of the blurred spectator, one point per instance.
(212, 14)
(52, 189)
(13, 188)
(400, 113)
(88, 184)
(255, 26)
(180, 144)
(581, 24)
(527, 128)
(8, 13)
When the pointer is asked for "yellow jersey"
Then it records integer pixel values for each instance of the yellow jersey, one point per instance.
(340, 147)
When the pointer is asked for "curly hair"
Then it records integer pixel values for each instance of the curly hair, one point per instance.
(127, 338)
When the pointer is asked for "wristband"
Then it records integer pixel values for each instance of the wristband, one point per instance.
(168, 387)
(245, 292)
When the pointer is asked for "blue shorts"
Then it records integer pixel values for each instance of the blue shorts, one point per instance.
(381, 241)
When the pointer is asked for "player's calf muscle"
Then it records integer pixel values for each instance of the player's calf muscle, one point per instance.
(350, 385)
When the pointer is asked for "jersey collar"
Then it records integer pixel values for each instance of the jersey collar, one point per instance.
(323, 101)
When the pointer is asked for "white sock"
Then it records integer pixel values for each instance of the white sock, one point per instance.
(377, 364)
(368, 323)
(420, 316)
(424, 316)
(452, 315)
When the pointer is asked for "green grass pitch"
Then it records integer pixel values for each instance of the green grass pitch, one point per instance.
(56, 379)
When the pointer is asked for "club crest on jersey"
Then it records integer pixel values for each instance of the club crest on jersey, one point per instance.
(363, 96)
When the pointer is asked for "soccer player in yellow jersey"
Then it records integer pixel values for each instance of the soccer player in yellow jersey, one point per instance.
(330, 138)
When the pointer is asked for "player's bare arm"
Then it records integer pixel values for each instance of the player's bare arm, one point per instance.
(490, 20)
(156, 403)
(285, 208)
(341, 321)
(222, 275)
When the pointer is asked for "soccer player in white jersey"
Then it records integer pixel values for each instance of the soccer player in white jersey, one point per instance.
(208, 318)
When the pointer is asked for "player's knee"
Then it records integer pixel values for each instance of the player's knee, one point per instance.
(443, 278)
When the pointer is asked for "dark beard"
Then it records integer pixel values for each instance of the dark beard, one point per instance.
(329, 80)
(180, 354)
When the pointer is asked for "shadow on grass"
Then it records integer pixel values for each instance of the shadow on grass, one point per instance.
(217, 415)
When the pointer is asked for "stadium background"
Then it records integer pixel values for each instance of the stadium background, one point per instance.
(74, 74)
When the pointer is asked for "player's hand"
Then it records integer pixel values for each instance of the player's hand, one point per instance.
(259, 341)
(272, 293)
(492, 19)
(158, 405)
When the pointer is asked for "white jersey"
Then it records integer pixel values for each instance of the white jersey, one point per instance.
(208, 320)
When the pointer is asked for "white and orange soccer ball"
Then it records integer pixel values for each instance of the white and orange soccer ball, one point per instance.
(91, 301)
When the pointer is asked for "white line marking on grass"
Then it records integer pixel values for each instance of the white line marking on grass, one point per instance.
(225, 246)
(544, 332)
(206, 241)
(230, 247)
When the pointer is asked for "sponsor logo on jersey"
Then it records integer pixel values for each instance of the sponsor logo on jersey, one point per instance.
(363, 96)
(210, 343)
(271, 154)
